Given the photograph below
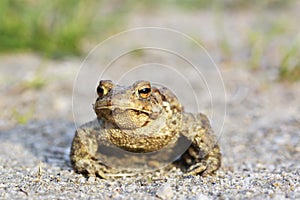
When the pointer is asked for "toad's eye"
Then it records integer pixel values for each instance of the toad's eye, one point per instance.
(102, 91)
(145, 92)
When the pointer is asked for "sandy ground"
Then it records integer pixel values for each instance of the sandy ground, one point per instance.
(260, 145)
(260, 138)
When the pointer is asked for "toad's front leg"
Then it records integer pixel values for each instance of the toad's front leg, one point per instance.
(84, 151)
(204, 155)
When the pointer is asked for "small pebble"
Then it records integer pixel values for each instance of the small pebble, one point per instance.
(91, 180)
(165, 191)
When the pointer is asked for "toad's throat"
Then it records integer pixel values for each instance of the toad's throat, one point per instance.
(140, 135)
(140, 143)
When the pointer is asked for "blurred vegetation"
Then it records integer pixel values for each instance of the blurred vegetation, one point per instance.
(57, 28)
(53, 28)
(60, 28)
(289, 69)
(23, 117)
(262, 35)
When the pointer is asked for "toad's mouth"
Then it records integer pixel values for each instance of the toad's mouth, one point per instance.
(120, 109)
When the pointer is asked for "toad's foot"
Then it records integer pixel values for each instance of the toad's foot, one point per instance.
(203, 166)
(91, 168)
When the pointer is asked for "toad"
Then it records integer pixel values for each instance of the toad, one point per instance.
(140, 128)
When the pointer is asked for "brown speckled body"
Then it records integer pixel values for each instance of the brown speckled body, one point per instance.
(141, 126)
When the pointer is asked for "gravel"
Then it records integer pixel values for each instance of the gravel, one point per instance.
(260, 160)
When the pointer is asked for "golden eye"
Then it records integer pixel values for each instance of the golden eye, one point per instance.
(104, 87)
(145, 92)
(102, 91)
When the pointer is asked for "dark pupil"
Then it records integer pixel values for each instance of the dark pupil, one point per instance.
(145, 90)
(100, 91)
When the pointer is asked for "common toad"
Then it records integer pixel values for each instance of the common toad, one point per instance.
(139, 128)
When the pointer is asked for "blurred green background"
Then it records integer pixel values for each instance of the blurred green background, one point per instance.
(56, 29)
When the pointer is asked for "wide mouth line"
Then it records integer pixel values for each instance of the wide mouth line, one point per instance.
(124, 108)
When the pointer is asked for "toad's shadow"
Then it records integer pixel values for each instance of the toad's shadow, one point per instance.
(48, 141)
